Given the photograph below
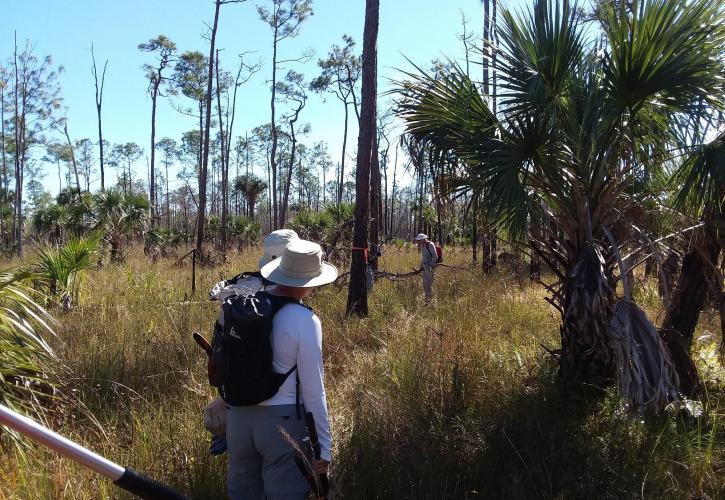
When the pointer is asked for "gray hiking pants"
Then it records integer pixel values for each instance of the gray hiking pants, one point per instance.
(428, 277)
(261, 463)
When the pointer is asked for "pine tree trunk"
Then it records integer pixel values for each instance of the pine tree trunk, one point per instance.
(152, 174)
(273, 153)
(375, 209)
(205, 155)
(224, 162)
(341, 179)
(357, 298)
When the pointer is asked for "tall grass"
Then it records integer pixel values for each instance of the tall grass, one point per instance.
(453, 401)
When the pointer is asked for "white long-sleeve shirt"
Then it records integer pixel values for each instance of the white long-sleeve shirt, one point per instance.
(297, 340)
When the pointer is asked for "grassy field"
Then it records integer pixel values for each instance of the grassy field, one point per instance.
(453, 401)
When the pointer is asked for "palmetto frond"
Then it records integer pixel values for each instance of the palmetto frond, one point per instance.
(665, 52)
(57, 270)
(700, 179)
(538, 57)
(24, 379)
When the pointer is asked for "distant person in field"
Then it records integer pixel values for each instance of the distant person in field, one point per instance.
(428, 261)
(246, 283)
(261, 462)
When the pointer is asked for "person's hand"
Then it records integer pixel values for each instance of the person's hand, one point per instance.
(321, 466)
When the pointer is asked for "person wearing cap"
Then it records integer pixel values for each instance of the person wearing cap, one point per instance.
(215, 413)
(250, 283)
(261, 462)
(428, 261)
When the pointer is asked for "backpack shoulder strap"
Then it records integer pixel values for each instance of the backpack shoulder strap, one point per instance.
(427, 247)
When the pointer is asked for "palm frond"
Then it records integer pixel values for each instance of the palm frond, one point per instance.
(645, 372)
(700, 179)
(26, 380)
(539, 56)
(668, 52)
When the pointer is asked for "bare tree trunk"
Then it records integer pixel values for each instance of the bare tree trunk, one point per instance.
(224, 160)
(19, 153)
(285, 197)
(357, 298)
(72, 157)
(273, 154)
(99, 103)
(152, 173)
(494, 55)
(205, 154)
(485, 47)
(375, 208)
(323, 186)
(342, 162)
(168, 208)
(392, 193)
(474, 228)
(5, 180)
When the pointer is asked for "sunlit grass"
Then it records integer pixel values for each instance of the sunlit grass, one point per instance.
(458, 400)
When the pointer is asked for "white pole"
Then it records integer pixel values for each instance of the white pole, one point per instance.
(61, 445)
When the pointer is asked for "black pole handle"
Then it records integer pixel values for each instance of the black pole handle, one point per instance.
(145, 487)
(324, 485)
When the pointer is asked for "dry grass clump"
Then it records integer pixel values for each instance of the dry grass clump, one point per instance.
(453, 401)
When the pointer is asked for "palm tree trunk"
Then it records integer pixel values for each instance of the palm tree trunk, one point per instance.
(586, 355)
(678, 328)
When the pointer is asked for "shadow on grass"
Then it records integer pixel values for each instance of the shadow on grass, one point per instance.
(543, 442)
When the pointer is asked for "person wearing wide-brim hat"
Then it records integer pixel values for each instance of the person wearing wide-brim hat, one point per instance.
(428, 261)
(246, 283)
(261, 461)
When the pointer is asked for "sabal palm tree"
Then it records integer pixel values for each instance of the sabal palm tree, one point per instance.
(251, 188)
(580, 121)
(121, 216)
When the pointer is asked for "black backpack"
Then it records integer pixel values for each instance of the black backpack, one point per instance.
(240, 365)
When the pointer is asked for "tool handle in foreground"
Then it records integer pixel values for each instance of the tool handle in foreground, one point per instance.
(145, 487)
(125, 478)
(324, 485)
(315, 445)
(203, 343)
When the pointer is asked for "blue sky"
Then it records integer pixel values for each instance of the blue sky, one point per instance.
(417, 30)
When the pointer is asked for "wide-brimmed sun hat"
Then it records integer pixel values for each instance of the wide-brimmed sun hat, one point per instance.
(274, 245)
(300, 266)
(421, 237)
